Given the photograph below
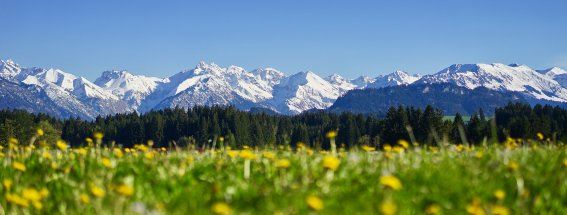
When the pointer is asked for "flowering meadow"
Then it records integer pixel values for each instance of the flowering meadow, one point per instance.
(514, 177)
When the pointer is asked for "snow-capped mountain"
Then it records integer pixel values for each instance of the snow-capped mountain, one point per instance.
(556, 74)
(394, 79)
(128, 87)
(303, 91)
(210, 84)
(515, 78)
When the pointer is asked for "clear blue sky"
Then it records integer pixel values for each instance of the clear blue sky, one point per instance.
(350, 38)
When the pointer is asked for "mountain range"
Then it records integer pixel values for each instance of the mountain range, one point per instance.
(65, 95)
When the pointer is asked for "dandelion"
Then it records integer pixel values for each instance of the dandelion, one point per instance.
(17, 200)
(331, 162)
(500, 210)
(387, 147)
(98, 136)
(84, 198)
(403, 143)
(39, 132)
(7, 183)
(97, 191)
(368, 148)
(315, 203)
(31, 194)
(432, 209)
(512, 166)
(221, 208)
(19, 166)
(44, 192)
(331, 134)
(37, 205)
(118, 152)
(282, 163)
(125, 190)
(89, 140)
(390, 181)
(247, 154)
(388, 207)
(232, 153)
(500, 194)
(565, 162)
(540, 136)
(61, 145)
(474, 208)
(106, 162)
(269, 155)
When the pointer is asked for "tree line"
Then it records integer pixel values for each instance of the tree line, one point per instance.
(202, 126)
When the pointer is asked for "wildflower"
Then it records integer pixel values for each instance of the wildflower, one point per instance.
(474, 208)
(269, 155)
(44, 192)
(221, 208)
(106, 162)
(500, 194)
(540, 136)
(368, 148)
(98, 136)
(282, 163)
(387, 147)
(565, 162)
(89, 140)
(388, 208)
(232, 153)
(331, 162)
(247, 154)
(432, 209)
(46, 154)
(315, 203)
(512, 166)
(390, 181)
(39, 132)
(149, 155)
(125, 190)
(118, 152)
(500, 210)
(17, 200)
(403, 143)
(97, 191)
(61, 145)
(81, 151)
(84, 198)
(331, 134)
(37, 205)
(7, 183)
(31, 194)
(19, 166)
(221, 138)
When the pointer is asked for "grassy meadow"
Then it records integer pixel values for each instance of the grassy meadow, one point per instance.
(514, 177)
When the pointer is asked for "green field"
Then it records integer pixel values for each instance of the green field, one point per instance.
(516, 177)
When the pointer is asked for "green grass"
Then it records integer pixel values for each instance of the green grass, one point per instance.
(190, 182)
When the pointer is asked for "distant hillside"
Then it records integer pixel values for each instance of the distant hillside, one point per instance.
(449, 98)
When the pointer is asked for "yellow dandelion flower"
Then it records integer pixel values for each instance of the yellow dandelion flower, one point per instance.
(97, 191)
(81, 151)
(269, 155)
(17, 200)
(248, 155)
(500, 210)
(39, 132)
(283, 163)
(118, 152)
(387, 147)
(46, 155)
(221, 208)
(388, 207)
(84, 198)
(89, 140)
(19, 166)
(61, 145)
(512, 166)
(44, 192)
(31, 194)
(500, 194)
(125, 190)
(331, 134)
(432, 209)
(474, 208)
(368, 148)
(221, 138)
(390, 181)
(232, 153)
(565, 162)
(7, 183)
(37, 205)
(331, 162)
(149, 155)
(315, 203)
(540, 136)
(98, 136)
(403, 143)
(106, 162)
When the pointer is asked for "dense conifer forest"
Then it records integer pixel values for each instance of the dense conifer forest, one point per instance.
(202, 126)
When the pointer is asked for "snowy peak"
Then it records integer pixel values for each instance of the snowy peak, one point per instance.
(340, 82)
(9, 69)
(128, 87)
(362, 81)
(556, 74)
(393, 79)
(269, 75)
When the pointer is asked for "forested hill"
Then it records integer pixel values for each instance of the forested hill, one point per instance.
(200, 126)
(449, 98)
